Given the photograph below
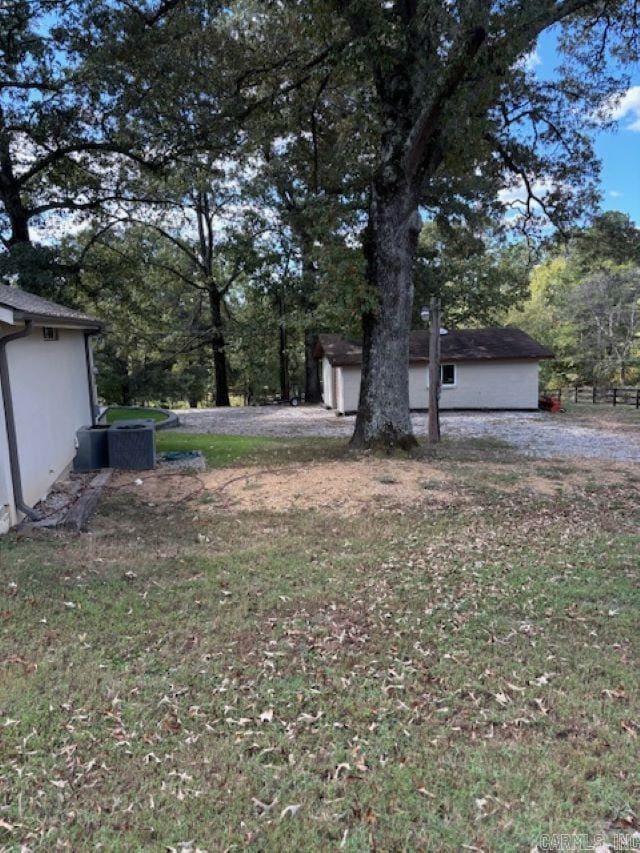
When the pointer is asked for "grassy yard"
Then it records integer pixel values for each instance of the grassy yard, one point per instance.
(128, 413)
(437, 675)
(219, 449)
(603, 416)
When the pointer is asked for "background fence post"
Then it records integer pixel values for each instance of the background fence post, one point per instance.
(638, 399)
(615, 396)
(593, 394)
(575, 394)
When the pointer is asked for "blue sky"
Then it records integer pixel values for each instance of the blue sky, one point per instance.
(619, 150)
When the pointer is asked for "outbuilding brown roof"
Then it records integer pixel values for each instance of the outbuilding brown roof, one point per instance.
(28, 306)
(493, 344)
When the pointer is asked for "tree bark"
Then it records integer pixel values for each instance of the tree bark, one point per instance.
(10, 194)
(383, 418)
(217, 345)
(312, 391)
(18, 218)
(434, 371)
(125, 390)
(283, 354)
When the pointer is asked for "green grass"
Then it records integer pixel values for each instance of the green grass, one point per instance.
(602, 415)
(220, 450)
(410, 679)
(217, 449)
(128, 413)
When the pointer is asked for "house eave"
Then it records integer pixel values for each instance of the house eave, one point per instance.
(337, 362)
(59, 322)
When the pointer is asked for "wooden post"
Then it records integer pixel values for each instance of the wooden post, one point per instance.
(615, 396)
(434, 371)
(575, 394)
(638, 399)
(594, 395)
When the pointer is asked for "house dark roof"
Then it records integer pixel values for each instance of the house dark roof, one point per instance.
(27, 306)
(499, 343)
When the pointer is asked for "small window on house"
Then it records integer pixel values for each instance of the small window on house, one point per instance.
(448, 374)
(49, 333)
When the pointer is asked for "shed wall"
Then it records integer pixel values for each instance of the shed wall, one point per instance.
(347, 389)
(327, 384)
(492, 385)
(479, 385)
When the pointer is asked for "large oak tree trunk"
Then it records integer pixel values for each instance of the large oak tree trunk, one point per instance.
(11, 196)
(220, 368)
(383, 418)
(19, 219)
(217, 345)
(312, 391)
(283, 351)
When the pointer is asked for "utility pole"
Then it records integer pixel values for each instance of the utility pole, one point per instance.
(434, 371)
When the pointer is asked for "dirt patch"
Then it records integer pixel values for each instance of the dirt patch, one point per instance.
(333, 628)
(352, 487)
(159, 486)
(550, 481)
(543, 486)
(345, 487)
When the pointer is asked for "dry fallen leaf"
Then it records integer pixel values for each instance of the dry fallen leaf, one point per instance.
(263, 808)
(290, 811)
(614, 694)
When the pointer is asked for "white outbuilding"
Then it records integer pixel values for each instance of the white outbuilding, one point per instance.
(46, 394)
(488, 369)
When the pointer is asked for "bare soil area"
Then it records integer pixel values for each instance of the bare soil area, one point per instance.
(356, 486)
(343, 486)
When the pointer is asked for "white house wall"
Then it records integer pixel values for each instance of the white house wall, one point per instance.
(479, 385)
(7, 512)
(51, 401)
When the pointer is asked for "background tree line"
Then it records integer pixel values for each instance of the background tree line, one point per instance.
(222, 181)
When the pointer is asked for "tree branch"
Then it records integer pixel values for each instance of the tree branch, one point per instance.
(54, 157)
(425, 125)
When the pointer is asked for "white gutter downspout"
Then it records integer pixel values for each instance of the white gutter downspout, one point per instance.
(12, 438)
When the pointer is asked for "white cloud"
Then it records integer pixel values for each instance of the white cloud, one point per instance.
(615, 193)
(628, 106)
(530, 61)
(514, 196)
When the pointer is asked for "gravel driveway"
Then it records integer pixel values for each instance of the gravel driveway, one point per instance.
(533, 433)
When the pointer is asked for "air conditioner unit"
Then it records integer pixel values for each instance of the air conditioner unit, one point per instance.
(132, 445)
(92, 448)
